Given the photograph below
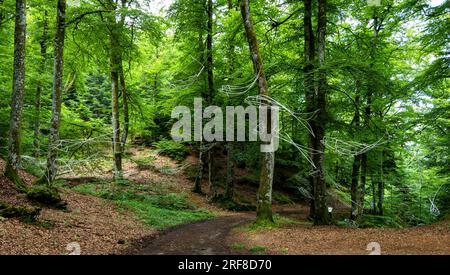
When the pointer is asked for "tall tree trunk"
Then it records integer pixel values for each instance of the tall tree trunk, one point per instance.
(114, 67)
(126, 115)
(264, 197)
(356, 162)
(14, 150)
(309, 56)
(201, 163)
(229, 187)
(37, 102)
(381, 186)
(210, 95)
(362, 188)
(58, 67)
(320, 187)
(123, 88)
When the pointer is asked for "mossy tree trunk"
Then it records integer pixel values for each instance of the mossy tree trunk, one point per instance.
(14, 140)
(58, 70)
(264, 196)
(114, 67)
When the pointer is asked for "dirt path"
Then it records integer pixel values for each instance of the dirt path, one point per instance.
(201, 238)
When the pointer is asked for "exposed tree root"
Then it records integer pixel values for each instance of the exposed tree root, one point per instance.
(14, 177)
(25, 214)
(46, 194)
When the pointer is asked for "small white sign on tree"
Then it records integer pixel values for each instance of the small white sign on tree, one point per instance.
(373, 3)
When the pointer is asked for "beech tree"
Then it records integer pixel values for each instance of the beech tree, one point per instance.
(14, 141)
(264, 195)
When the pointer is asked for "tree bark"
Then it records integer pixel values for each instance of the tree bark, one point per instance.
(356, 162)
(309, 56)
(320, 187)
(381, 186)
(201, 163)
(264, 197)
(123, 89)
(229, 187)
(37, 102)
(57, 92)
(14, 149)
(126, 115)
(362, 188)
(199, 178)
(210, 95)
(114, 67)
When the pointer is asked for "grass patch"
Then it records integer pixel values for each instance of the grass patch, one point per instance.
(285, 251)
(258, 249)
(279, 221)
(238, 247)
(155, 206)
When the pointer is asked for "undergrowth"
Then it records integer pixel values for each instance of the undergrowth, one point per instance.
(155, 206)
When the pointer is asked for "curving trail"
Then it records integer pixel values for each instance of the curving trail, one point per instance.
(200, 238)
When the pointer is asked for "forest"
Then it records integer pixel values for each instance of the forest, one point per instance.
(224, 127)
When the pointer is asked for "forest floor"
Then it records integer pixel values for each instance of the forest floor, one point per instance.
(99, 226)
(302, 238)
(121, 226)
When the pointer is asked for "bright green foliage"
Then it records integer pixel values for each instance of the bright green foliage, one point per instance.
(158, 208)
(401, 75)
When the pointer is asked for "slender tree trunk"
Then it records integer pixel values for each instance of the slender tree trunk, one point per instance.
(115, 63)
(209, 55)
(381, 186)
(374, 184)
(320, 188)
(199, 178)
(354, 188)
(210, 95)
(309, 56)
(123, 88)
(264, 197)
(229, 188)
(57, 92)
(356, 162)
(114, 74)
(14, 150)
(201, 162)
(126, 115)
(37, 102)
(362, 188)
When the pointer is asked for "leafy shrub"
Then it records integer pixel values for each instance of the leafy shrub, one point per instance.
(368, 221)
(172, 149)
